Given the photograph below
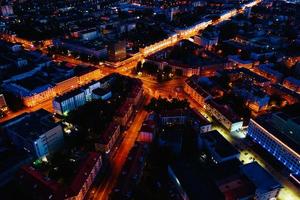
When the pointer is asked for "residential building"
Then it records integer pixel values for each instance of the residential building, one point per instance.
(192, 88)
(123, 113)
(137, 92)
(108, 138)
(148, 130)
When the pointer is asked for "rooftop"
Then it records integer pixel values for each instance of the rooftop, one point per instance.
(108, 133)
(262, 179)
(220, 145)
(31, 125)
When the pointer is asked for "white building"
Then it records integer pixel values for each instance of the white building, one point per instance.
(35, 132)
(224, 115)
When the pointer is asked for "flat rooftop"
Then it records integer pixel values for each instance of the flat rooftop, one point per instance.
(31, 125)
(262, 179)
(220, 145)
(290, 140)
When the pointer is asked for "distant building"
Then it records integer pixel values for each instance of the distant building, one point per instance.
(266, 71)
(255, 98)
(290, 96)
(117, 51)
(292, 84)
(89, 34)
(218, 147)
(238, 62)
(207, 40)
(278, 133)
(246, 74)
(35, 132)
(39, 85)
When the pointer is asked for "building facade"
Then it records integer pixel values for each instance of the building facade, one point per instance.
(276, 143)
(35, 132)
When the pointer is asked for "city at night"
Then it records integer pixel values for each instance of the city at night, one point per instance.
(149, 99)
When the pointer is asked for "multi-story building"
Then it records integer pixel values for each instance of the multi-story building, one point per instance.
(70, 101)
(148, 129)
(207, 39)
(192, 88)
(35, 132)
(218, 147)
(123, 113)
(199, 122)
(43, 187)
(278, 133)
(38, 86)
(292, 84)
(266, 71)
(136, 93)
(108, 138)
(246, 74)
(224, 114)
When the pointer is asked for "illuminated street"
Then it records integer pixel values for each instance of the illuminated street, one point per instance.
(103, 191)
(229, 71)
